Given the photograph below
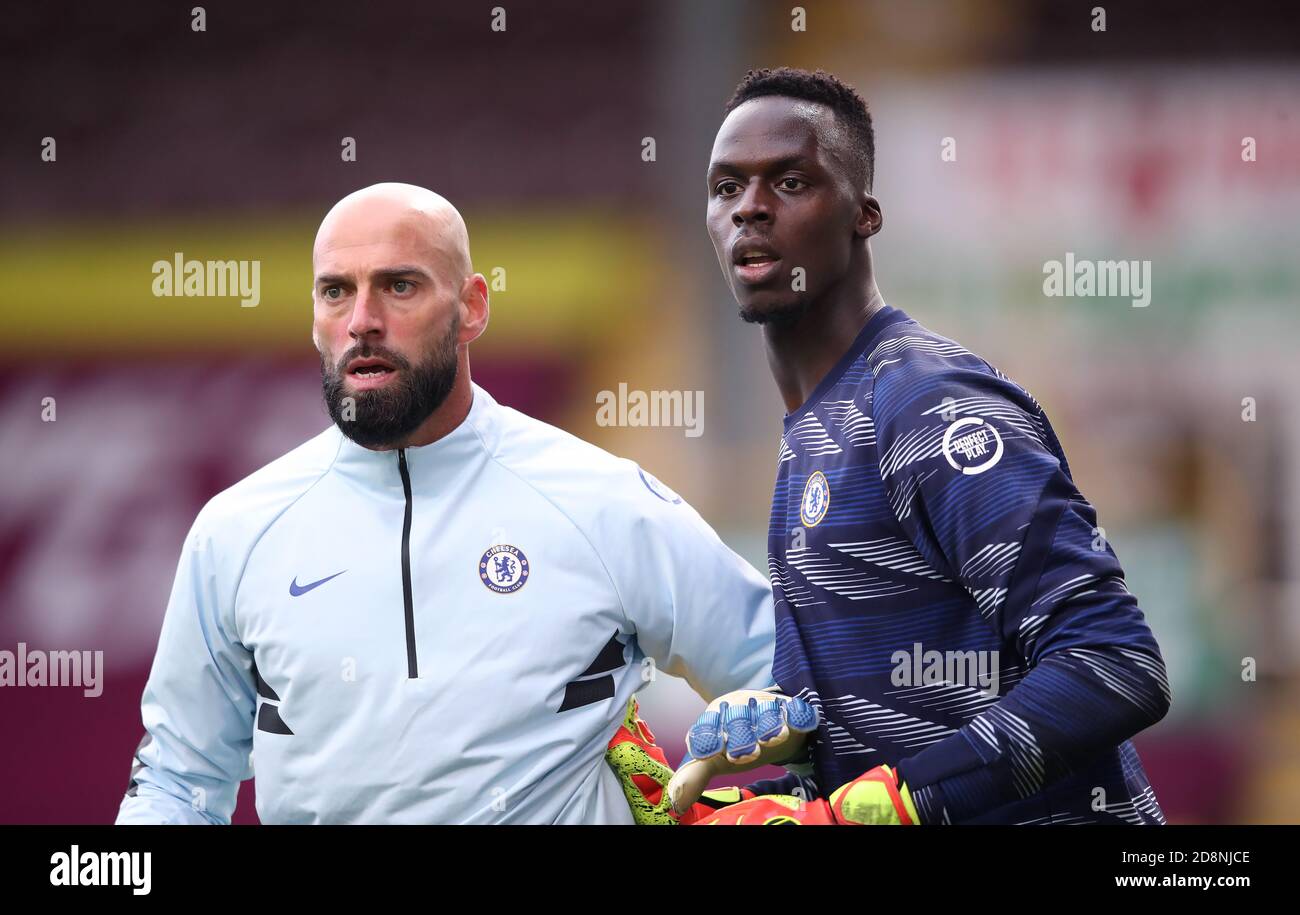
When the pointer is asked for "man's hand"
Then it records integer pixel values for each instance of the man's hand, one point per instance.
(875, 798)
(872, 799)
(737, 732)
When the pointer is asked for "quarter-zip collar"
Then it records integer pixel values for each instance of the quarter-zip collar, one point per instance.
(428, 470)
(426, 463)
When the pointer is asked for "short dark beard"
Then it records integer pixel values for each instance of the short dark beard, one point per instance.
(387, 417)
(782, 315)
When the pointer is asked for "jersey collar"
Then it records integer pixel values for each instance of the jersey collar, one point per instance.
(424, 462)
(886, 316)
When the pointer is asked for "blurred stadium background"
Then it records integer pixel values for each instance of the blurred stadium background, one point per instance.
(226, 144)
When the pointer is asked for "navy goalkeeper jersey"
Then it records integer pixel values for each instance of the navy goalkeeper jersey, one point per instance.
(945, 597)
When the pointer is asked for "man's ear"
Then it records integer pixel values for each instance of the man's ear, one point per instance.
(870, 219)
(473, 309)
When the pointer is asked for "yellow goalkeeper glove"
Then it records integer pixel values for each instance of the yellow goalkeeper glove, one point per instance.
(875, 798)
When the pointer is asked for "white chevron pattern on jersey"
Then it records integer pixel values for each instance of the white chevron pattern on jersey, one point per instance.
(1025, 755)
(1156, 671)
(892, 347)
(875, 720)
(1127, 811)
(989, 600)
(785, 454)
(914, 445)
(842, 742)
(1130, 811)
(900, 500)
(1112, 675)
(1146, 803)
(845, 744)
(812, 437)
(958, 699)
(1038, 408)
(1030, 626)
(856, 427)
(795, 593)
(1059, 819)
(1061, 591)
(843, 580)
(891, 553)
(991, 561)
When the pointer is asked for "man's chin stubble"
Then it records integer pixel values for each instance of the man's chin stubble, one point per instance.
(781, 315)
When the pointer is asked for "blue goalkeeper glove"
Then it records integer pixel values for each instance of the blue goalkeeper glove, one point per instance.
(742, 730)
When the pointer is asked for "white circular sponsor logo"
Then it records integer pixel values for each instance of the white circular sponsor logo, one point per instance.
(816, 500)
(972, 445)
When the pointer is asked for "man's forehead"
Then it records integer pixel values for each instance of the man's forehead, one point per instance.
(363, 262)
(772, 127)
(407, 236)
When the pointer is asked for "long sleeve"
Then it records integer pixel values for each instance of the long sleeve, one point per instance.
(699, 610)
(981, 486)
(198, 704)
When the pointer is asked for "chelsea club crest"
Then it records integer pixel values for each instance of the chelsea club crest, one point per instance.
(816, 500)
(503, 568)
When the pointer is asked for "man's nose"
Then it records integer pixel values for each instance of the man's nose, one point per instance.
(367, 315)
(754, 206)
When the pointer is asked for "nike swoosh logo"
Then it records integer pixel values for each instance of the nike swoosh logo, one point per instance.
(297, 591)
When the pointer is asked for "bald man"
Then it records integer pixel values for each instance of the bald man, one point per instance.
(438, 609)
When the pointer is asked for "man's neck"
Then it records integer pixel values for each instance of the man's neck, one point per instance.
(802, 353)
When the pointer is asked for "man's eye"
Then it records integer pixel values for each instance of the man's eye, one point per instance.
(333, 292)
(726, 187)
(401, 286)
(791, 184)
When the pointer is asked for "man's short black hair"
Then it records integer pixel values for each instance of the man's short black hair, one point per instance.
(826, 89)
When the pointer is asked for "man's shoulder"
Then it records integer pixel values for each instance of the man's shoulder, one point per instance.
(256, 500)
(908, 346)
(935, 403)
(580, 479)
(916, 372)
